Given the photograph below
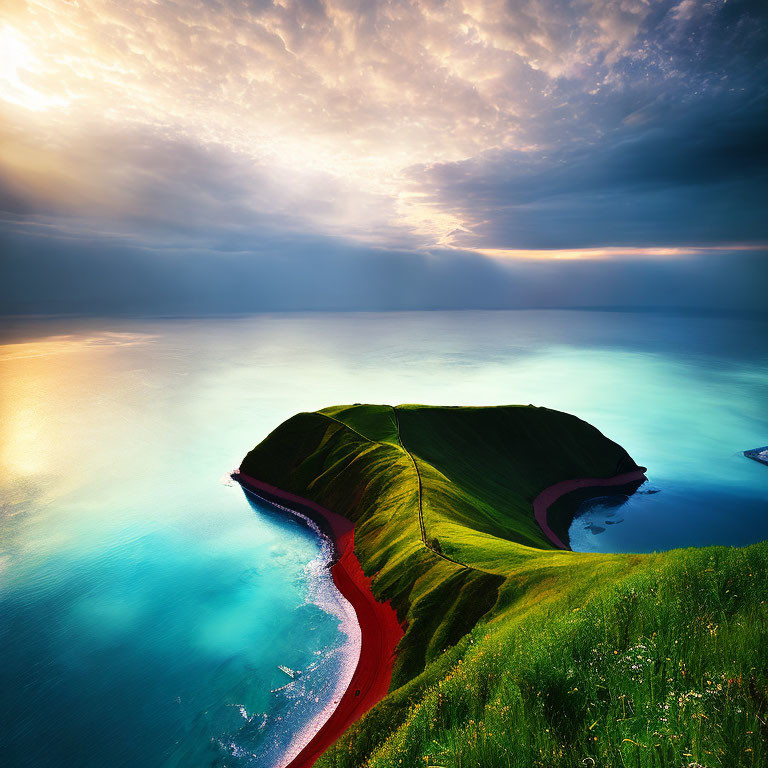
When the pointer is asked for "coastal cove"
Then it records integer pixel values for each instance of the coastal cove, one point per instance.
(125, 556)
(369, 654)
(455, 539)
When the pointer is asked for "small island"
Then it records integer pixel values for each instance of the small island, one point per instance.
(485, 641)
(758, 454)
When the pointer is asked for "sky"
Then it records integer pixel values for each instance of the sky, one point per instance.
(208, 156)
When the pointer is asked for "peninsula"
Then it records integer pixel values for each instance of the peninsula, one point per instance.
(487, 642)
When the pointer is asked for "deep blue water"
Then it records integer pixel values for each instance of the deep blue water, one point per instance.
(145, 604)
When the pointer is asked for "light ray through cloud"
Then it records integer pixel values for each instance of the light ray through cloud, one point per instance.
(528, 130)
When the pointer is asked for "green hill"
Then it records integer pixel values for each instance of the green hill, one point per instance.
(517, 653)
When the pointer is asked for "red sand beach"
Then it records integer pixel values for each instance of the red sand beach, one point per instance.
(380, 630)
(550, 495)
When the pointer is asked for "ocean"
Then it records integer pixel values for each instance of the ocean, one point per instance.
(146, 604)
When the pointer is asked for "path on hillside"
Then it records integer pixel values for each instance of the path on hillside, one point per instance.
(422, 528)
(421, 508)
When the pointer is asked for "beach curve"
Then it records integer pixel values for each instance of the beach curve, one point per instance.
(552, 493)
(380, 629)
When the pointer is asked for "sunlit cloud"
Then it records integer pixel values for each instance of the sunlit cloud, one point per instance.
(533, 131)
(16, 61)
(358, 92)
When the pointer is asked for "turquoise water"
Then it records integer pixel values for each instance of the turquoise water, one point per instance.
(145, 604)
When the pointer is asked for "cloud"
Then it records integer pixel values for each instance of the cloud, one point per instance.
(137, 183)
(383, 129)
(690, 179)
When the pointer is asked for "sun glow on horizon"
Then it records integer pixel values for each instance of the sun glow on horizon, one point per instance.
(577, 254)
(601, 254)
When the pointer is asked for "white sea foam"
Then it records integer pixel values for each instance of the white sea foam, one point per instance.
(323, 593)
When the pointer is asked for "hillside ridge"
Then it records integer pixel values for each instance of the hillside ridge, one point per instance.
(502, 627)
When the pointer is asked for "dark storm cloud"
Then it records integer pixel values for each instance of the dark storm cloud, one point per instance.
(671, 149)
(699, 178)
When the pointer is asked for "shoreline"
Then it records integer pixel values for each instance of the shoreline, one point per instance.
(380, 630)
(553, 493)
(379, 627)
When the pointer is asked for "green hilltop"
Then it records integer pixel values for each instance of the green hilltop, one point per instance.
(517, 653)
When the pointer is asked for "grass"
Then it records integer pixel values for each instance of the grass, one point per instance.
(517, 654)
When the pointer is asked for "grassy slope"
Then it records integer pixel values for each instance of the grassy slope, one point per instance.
(632, 660)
